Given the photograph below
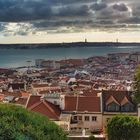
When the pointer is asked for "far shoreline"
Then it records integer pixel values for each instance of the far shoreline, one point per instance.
(67, 45)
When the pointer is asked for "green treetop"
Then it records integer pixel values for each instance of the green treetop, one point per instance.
(17, 123)
(123, 128)
(137, 85)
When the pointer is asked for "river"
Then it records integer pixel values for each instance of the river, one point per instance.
(19, 57)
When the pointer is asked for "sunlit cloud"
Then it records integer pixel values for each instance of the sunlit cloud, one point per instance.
(43, 17)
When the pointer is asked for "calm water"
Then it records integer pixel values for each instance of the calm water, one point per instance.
(16, 58)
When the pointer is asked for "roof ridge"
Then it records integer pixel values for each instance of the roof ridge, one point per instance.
(125, 100)
(45, 103)
(113, 99)
(34, 105)
(27, 101)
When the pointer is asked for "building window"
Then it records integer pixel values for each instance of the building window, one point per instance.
(94, 118)
(127, 107)
(86, 118)
(80, 118)
(113, 107)
(107, 119)
(75, 118)
(55, 102)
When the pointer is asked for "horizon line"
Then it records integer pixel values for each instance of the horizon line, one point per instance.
(34, 43)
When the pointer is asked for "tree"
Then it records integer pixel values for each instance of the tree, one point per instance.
(92, 137)
(17, 123)
(137, 85)
(123, 127)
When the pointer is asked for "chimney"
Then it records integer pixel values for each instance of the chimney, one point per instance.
(62, 102)
(101, 100)
(25, 86)
(42, 98)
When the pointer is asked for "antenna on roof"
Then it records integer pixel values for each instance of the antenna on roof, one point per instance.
(77, 102)
(117, 40)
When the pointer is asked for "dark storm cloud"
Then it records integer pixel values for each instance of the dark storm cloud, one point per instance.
(64, 23)
(69, 14)
(120, 7)
(98, 6)
(27, 10)
(20, 10)
(132, 20)
(114, 12)
(72, 11)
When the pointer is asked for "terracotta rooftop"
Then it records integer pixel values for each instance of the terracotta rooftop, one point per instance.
(32, 100)
(40, 85)
(73, 61)
(90, 92)
(47, 109)
(1, 97)
(21, 101)
(117, 95)
(24, 94)
(15, 94)
(43, 107)
(90, 104)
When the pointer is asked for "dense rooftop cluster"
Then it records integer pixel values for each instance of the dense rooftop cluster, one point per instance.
(75, 93)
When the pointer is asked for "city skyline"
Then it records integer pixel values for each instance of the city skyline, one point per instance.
(51, 21)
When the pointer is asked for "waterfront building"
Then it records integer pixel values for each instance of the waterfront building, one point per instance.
(135, 57)
(38, 63)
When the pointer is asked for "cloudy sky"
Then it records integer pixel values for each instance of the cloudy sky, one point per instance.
(30, 21)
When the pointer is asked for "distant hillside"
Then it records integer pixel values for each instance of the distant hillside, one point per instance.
(66, 45)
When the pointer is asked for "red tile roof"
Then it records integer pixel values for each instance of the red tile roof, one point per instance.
(47, 109)
(1, 97)
(21, 101)
(40, 85)
(90, 92)
(118, 95)
(24, 94)
(90, 104)
(76, 62)
(52, 89)
(15, 94)
(32, 100)
(84, 82)
(43, 107)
